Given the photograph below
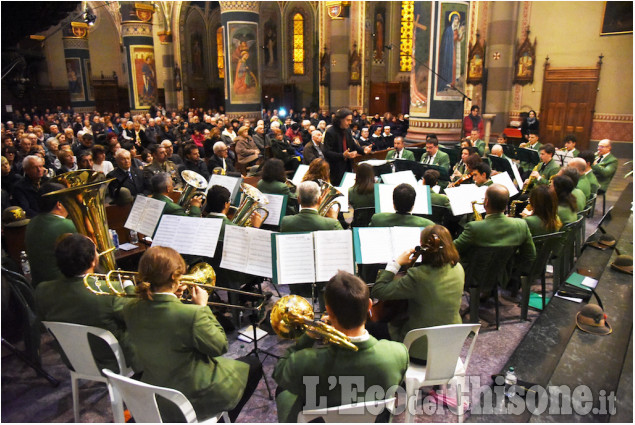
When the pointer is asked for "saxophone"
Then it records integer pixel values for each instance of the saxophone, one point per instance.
(477, 215)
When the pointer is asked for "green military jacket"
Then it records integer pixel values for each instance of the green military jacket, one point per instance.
(382, 363)
(536, 147)
(434, 299)
(593, 181)
(360, 201)
(498, 230)
(405, 154)
(537, 227)
(566, 215)
(441, 159)
(584, 186)
(398, 220)
(439, 199)
(480, 147)
(580, 199)
(180, 347)
(40, 238)
(226, 222)
(605, 170)
(550, 170)
(172, 208)
(279, 188)
(308, 220)
(68, 300)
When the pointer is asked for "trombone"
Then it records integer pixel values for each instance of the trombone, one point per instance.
(292, 315)
(200, 274)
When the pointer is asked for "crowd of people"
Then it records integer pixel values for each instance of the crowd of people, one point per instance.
(180, 346)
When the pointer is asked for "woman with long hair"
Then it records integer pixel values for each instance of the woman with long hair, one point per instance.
(362, 196)
(567, 208)
(433, 288)
(318, 170)
(180, 346)
(544, 218)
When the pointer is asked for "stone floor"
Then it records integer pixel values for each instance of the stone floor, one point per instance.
(29, 398)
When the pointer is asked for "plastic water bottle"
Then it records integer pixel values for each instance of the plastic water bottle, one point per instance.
(510, 383)
(134, 238)
(24, 263)
(115, 237)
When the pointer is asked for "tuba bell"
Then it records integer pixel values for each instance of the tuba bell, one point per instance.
(292, 316)
(252, 199)
(83, 198)
(195, 185)
(328, 197)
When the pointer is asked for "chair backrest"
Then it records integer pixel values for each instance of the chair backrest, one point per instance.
(545, 245)
(487, 266)
(439, 214)
(365, 412)
(15, 241)
(362, 216)
(444, 347)
(140, 398)
(73, 339)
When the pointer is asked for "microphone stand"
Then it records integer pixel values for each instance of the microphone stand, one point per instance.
(465, 96)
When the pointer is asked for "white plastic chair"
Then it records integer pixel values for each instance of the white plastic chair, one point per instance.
(365, 412)
(443, 364)
(73, 339)
(140, 398)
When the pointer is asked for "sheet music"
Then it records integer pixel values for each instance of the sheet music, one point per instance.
(295, 258)
(230, 183)
(248, 250)
(503, 178)
(333, 252)
(404, 239)
(421, 206)
(461, 198)
(517, 178)
(348, 181)
(274, 207)
(375, 245)
(188, 235)
(145, 215)
(343, 200)
(299, 174)
(399, 177)
(374, 162)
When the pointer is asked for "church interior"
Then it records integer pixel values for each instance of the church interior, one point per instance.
(417, 68)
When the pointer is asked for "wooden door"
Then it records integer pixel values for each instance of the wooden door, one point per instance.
(568, 104)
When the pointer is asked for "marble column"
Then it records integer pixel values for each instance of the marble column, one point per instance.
(78, 70)
(136, 32)
(500, 61)
(243, 89)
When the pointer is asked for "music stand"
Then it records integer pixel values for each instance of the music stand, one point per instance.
(253, 319)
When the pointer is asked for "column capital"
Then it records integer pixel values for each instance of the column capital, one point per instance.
(75, 30)
(239, 6)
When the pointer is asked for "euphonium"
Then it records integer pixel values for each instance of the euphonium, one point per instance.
(328, 197)
(83, 198)
(477, 215)
(252, 199)
(195, 185)
(292, 315)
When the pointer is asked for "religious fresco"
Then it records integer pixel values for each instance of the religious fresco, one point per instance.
(198, 64)
(89, 79)
(75, 82)
(379, 34)
(243, 62)
(420, 76)
(144, 76)
(451, 51)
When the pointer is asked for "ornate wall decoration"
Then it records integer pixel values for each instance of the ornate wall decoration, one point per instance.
(243, 64)
(239, 6)
(525, 62)
(452, 51)
(355, 67)
(476, 62)
(144, 75)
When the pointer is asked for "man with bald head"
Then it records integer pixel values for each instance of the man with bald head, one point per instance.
(313, 149)
(497, 230)
(583, 184)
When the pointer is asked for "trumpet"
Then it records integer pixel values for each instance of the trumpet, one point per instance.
(477, 215)
(292, 315)
(200, 274)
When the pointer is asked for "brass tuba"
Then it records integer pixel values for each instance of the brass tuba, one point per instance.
(83, 198)
(252, 199)
(328, 197)
(292, 315)
(195, 185)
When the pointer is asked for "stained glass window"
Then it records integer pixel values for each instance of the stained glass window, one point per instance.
(220, 63)
(298, 44)
(407, 26)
